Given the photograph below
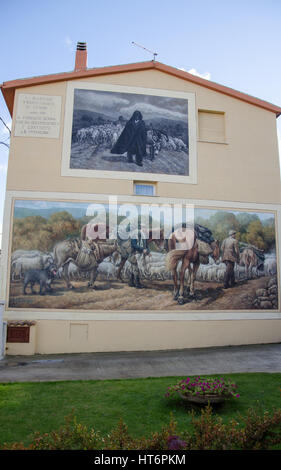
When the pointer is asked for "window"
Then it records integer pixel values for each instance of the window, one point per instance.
(211, 126)
(18, 334)
(144, 189)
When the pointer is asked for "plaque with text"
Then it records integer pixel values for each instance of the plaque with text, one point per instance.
(38, 116)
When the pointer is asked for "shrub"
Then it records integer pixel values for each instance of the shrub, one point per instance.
(72, 436)
(209, 432)
(261, 430)
(255, 431)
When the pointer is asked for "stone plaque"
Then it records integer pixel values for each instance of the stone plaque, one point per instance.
(38, 116)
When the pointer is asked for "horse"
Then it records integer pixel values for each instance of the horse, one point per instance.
(184, 246)
(249, 259)
(86, 255)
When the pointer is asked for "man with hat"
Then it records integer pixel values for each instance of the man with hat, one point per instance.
(230, 256)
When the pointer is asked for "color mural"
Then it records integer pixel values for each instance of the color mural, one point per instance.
(129, 132)
(94, 257)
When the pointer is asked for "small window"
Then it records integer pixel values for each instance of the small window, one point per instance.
(144, 189)
(211, 126)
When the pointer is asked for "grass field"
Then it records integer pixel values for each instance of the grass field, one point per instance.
(43, 406)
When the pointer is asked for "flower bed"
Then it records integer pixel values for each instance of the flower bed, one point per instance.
(204, 389)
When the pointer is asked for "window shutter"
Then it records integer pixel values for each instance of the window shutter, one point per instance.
(211, 126)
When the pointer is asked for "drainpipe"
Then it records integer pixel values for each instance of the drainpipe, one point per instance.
(3, 331)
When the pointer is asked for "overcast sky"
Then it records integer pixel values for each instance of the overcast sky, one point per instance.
(116, 104)
(232, 42)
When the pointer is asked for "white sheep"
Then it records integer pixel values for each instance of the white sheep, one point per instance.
(270, 266)
(25, 253)
(107, 269)
(24, 263)
(73, 271)
(157, 272)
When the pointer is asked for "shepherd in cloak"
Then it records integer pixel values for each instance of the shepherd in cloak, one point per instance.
(132, 139)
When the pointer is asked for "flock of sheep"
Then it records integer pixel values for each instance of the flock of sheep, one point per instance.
(104, 136)
(151, 267)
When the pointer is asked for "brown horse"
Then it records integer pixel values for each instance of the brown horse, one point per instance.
(183, 246)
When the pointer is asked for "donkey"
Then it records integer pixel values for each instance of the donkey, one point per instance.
(86, 255)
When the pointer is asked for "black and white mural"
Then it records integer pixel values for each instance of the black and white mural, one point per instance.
(130, 132)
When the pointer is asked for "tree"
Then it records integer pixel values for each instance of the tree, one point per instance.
(38, 233)
(63, 225)
(221, 222)
(255, 235)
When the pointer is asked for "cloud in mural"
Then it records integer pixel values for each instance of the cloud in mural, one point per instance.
(151, 111)
(115, 104)
(39, 205)
(98, 101)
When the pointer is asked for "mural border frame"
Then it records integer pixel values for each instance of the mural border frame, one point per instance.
(137, 315)
(127, 175)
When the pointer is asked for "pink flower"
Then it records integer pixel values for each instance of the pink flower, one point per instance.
(175, 443)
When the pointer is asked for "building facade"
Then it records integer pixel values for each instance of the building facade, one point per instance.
(108, 170)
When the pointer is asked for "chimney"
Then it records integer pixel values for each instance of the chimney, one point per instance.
(81, 57)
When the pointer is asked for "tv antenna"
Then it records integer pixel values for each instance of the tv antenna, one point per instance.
(142, 47)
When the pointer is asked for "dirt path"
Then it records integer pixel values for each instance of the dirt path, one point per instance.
(157, 295)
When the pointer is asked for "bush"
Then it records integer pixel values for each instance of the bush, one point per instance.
(71, 436)
(255, 431)
(261, 431)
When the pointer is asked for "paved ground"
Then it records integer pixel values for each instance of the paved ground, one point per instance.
(96, 366)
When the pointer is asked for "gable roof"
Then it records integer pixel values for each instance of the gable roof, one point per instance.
(8, 88)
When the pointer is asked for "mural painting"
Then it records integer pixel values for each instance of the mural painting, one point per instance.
(69, 256)
(129, 132)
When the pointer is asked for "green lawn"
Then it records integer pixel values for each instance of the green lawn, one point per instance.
(43, 406)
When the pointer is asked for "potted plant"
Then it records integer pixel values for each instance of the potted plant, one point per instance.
(204, 390)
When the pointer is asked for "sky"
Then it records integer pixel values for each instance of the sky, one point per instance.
(235, 43)
(90, 209)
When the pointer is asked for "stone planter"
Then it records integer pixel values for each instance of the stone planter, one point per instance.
(204, 399)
